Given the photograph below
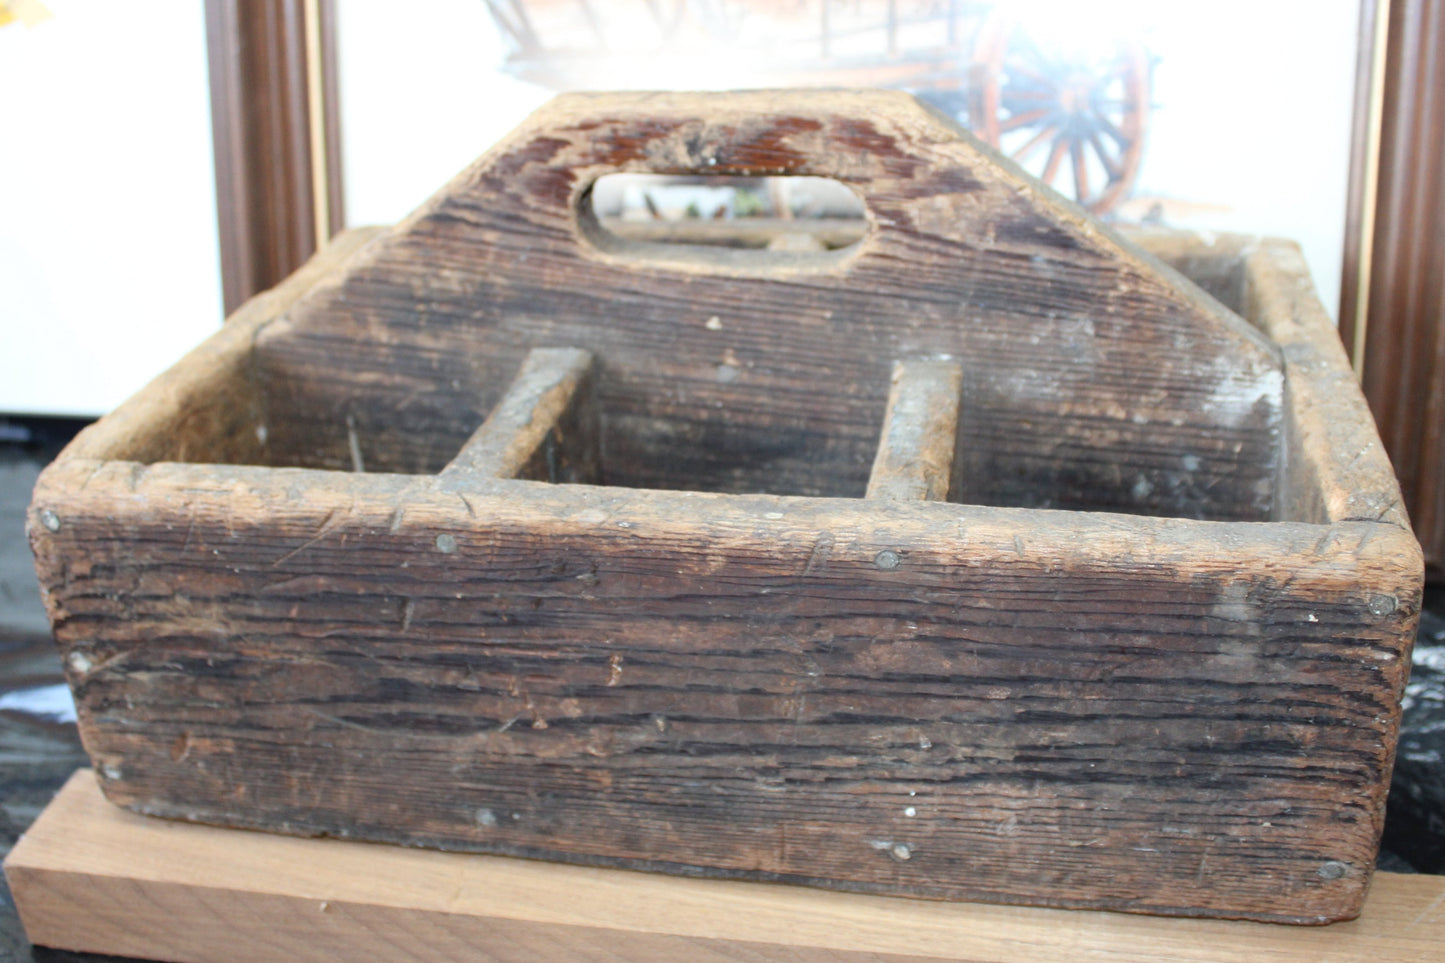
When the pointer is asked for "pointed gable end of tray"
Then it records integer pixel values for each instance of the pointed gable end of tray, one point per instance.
(756, 372)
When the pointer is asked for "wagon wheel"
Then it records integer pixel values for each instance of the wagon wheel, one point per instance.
(1043, 108)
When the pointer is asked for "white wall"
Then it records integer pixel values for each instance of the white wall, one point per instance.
(109, 268)
(1254, 102)
(422, 96)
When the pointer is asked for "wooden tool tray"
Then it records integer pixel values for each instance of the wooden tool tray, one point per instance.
(985, 558)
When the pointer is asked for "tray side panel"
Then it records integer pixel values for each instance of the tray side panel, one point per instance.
(923, 699)
(1334, 466)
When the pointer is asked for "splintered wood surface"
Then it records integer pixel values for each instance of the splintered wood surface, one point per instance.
(794, 688)
(630, 620)
(90, 877)
(917, 453)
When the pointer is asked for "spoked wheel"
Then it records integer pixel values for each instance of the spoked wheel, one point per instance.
(1072, 118)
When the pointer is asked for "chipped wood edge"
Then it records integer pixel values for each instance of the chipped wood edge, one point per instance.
(1025, 536)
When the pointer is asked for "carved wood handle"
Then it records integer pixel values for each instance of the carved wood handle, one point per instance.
(891, 149)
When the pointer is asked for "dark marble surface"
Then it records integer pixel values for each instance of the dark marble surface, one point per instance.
(37, 755)
(1415, 819)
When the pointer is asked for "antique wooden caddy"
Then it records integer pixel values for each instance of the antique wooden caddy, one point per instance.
(984, 559)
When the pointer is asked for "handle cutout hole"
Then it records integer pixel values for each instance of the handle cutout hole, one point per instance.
(727, 219)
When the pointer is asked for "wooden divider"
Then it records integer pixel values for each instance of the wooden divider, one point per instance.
(916, 458)
(543, 429)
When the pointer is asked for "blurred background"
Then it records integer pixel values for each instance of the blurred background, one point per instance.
(1166, 113)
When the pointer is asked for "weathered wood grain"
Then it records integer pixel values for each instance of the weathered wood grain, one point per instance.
(543, 429)
(1335, 468)
(90, 877)
(916, 454)
(1072, 709)
(1008, 703)
(1097, 378)
(1326, 450)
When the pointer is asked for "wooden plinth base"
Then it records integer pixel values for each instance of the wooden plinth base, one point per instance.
(89, 876)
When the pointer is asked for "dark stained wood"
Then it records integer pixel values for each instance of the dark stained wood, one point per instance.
(265, 200)
(916, 455)
(543, 429)
(927, 698)
(1404, 339)
(931, 699)
(711, 376)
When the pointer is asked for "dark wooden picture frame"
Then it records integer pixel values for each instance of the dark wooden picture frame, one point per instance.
(1392, 300)
(277, 137)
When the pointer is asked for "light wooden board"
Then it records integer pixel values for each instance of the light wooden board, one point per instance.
(90, 876)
